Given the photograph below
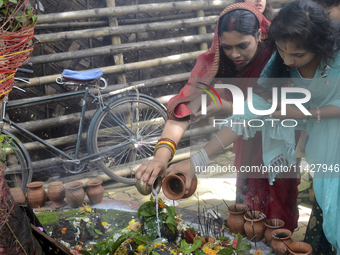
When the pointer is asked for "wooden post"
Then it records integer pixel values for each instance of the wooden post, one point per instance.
(202, 30)
(118, 58)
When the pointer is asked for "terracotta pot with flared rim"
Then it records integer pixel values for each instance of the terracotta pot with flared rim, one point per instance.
(174, 187)
(95, 191)
(56, 193)
(143, 187)
(256, 233)
(272, 225)
(18, 195)
(300, 248)
(75, 194)
(36, 195)
(279, 245)
(236, 218)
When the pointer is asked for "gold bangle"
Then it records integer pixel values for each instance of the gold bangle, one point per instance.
(165, 146)
(169, 140)
(166, 142)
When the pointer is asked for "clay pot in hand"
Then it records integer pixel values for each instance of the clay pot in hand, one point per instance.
(236, 218)
(56, 193)
(143, 187)
(281, 239)
(272, 225)
(36, 195)
(174, 187)
(18, 195)
(254, 226)
(300, 248)
(75, 194)
(95, 191)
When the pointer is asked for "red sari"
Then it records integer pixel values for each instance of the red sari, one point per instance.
(280, 199)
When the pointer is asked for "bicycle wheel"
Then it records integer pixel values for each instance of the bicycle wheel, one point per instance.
(126, 133)
(17, 162)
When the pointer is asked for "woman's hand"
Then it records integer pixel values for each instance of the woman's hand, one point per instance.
(186, 168)
(213, 110)
(151, 170)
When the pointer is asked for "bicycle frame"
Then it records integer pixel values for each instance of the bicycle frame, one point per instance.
(54, 149)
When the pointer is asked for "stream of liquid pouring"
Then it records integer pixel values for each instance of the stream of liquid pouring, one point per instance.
(156, 195)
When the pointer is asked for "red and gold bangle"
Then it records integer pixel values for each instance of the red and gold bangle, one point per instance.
(165, 146)
(168, 140)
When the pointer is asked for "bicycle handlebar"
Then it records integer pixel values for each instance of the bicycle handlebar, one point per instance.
(24, 70)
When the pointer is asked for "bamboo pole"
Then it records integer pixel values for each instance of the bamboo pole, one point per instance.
(133, 9)
(120, 21)
(43, 164)
(110, 31)
(114, 49)
(38, 81)
(115, 40)
(148, 83)
(69, 119)
(202, 30)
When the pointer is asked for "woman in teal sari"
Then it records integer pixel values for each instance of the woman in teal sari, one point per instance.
(307, 57)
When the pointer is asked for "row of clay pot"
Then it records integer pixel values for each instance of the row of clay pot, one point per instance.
(249, 223)
(73, 191)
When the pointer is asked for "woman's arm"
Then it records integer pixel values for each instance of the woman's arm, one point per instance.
(214, 146)
(174, 130)
(325, 112)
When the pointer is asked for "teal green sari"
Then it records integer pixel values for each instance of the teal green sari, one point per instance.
(322, 148)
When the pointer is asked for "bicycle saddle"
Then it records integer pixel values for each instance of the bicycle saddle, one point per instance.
(82, 75)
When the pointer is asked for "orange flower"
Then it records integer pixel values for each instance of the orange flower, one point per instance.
(258, 252)
(63, 231)
(161, 204)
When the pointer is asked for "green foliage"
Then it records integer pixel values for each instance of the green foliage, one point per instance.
(19, 18)
(5, 140)
(188, 248)
(167, 216)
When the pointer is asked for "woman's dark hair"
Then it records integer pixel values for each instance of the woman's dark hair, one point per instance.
(307, 25)
(327, 3)
(268, 12)
(242, 21)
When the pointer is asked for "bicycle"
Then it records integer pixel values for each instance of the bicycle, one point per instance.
(122, 132)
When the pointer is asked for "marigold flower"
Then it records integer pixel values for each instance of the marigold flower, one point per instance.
(161, 204)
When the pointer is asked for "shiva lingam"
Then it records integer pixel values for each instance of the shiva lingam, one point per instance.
(145, 189)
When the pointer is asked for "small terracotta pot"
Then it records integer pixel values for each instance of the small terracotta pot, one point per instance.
(254, 228)
(272, 225)
(279, 245)
(236, 218)
(300, 248)
(56, 193)
(174, 187)
(95, 191)
(18, 195)
(75, 194)
(36, 195)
